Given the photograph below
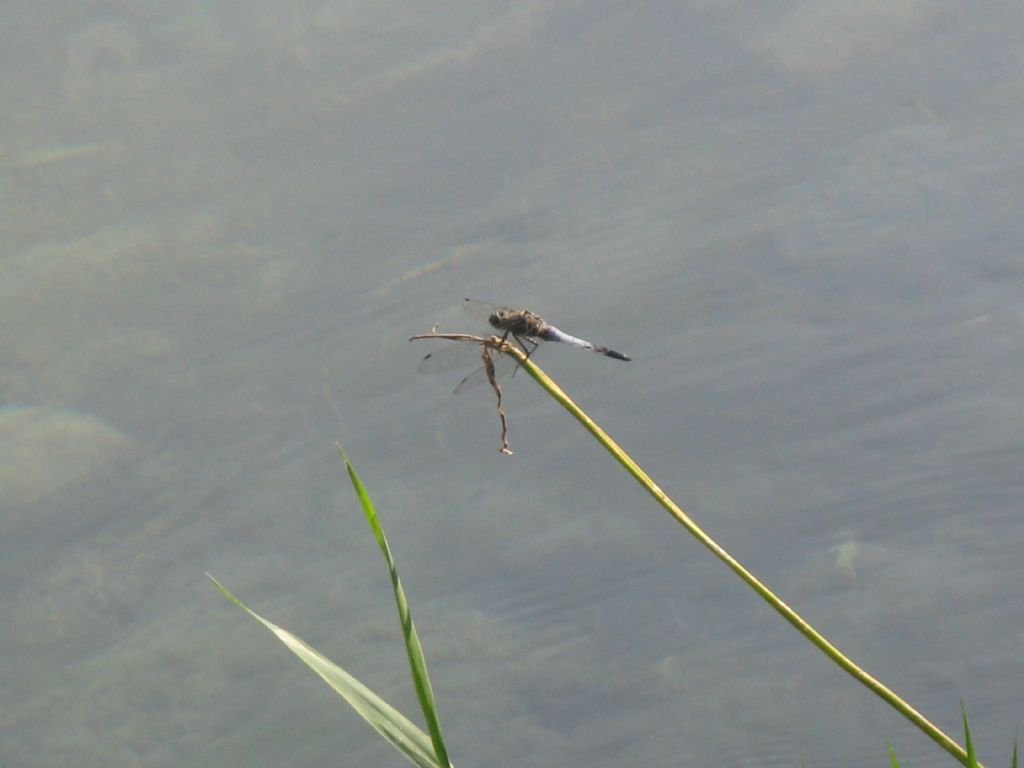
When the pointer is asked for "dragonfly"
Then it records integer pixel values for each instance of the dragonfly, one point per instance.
(526, 329)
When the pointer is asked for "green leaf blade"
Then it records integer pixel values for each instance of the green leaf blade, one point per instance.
(413, 647)
(397, 729)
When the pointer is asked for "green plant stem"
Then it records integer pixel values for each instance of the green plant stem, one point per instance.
(819, 640)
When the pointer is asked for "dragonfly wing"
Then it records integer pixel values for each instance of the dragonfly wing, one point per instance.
(475, 379)
(455, 356)
(503, 366)
(481, 310)
(460, 356)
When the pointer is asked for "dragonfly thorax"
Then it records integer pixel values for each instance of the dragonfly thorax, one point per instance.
(519, 322)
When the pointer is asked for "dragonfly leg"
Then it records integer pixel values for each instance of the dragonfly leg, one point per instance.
(527, 345)
(523, 342)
